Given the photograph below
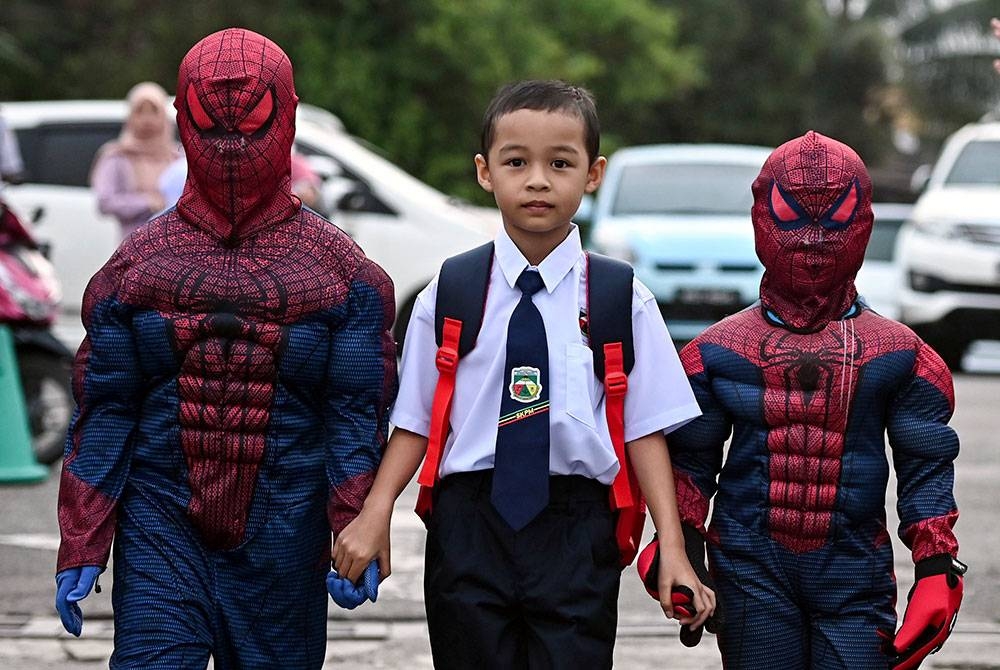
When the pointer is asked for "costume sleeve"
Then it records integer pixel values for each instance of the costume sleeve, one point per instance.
(107, 385)
(924, 447)
(696, 448)
(362, 387)
(110, 181)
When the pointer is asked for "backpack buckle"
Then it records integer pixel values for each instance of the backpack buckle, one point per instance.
(446, 360)
(615, 384)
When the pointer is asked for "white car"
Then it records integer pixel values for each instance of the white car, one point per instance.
(681, 215)
(404, 225)
(879, 279)
(949, 251)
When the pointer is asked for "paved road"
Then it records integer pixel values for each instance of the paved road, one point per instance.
(391, 633)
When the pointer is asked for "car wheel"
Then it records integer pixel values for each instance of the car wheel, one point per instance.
(48, 397)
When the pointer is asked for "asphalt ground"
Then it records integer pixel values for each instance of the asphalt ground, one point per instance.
(392, 632)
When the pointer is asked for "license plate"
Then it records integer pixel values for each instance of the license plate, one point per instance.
(708, 296)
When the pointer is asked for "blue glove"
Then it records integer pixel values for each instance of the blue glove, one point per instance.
(73, 585)
(349, 596)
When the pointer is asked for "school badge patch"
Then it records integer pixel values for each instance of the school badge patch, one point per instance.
(525, 384)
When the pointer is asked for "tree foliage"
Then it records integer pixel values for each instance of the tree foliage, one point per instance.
(413, 76)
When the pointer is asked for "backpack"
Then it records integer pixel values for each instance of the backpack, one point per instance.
(463, 285)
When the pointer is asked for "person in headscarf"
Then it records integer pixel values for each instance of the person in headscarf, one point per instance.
(126, 172)
(232, 395)
(808, 383)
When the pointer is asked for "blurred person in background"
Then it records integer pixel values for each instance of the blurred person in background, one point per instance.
(126, 171)
(305, 182)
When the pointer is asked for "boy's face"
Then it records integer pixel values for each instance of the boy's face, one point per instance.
(538, 171)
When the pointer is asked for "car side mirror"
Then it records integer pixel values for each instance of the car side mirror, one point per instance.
(920, 177)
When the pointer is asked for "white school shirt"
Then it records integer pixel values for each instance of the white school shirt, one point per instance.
(659, 397)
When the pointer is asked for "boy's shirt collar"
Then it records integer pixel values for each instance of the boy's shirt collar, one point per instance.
(553, 267)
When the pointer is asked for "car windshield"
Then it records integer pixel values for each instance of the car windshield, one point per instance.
(685, 188)
(979, 163)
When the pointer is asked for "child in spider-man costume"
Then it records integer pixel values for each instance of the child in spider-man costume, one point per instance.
(232, 393)
(808, 383)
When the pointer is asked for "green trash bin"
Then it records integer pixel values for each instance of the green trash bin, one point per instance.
(17, 460)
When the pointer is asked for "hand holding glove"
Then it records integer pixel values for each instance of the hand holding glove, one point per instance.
(348, 595)
(931, 611)
(682, 597)
(72, 586)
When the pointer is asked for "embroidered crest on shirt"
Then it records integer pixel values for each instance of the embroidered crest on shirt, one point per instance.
(525, 384)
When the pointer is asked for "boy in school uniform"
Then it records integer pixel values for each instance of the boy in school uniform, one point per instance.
(522, 567)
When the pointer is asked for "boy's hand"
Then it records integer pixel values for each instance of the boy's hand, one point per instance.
(364, 539)
(684, 600)
(675, 575)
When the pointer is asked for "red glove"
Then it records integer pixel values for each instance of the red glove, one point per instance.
(682, 597)
(931, 611)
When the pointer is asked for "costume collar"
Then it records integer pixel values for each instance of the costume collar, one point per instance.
(553, 267)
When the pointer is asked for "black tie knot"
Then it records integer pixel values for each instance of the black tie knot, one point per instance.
(530, 282)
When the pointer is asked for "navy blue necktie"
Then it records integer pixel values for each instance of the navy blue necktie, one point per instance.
(521, 464)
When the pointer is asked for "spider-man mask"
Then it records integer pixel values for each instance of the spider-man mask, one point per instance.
(812, 217)
(236, 118)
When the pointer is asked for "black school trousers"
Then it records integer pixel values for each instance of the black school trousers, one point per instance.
(545, 597)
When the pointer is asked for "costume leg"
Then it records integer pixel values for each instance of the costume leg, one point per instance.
(764, 627)
(852, 593)
(162, 587)
(469, 592)
(570, 600)
(272, 592)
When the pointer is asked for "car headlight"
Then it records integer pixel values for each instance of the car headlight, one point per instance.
(935, 227)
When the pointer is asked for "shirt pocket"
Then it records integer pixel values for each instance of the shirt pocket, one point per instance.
(580, 383)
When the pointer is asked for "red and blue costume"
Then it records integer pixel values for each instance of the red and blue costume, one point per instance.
(233, 391)
(807, 384)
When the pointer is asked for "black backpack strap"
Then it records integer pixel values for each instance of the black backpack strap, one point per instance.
(609, 308)
(461, 294)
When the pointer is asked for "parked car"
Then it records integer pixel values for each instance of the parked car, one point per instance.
(403, 224)
(949, 250)
(681, 215)
(879, 279)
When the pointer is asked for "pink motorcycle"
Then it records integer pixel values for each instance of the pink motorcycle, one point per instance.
(29, 304)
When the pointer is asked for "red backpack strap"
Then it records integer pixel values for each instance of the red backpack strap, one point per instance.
(458, 315)
(609, 317)
(615, 387)
(447, 365)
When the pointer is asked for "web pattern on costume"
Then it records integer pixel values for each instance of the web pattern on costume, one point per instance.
(239, 182)
(804, 402)
(253, 320)
(803, 398)
(812, 257)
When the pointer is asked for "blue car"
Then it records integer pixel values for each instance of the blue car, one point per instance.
(680, 214)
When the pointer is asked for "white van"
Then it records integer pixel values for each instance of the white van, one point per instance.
(949, 249)
(401, 223)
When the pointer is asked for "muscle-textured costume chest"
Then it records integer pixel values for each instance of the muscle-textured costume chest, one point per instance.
(795, 398)
(228, 314)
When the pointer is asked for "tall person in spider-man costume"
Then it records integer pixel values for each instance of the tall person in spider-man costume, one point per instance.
(232, 393)
(808, 383)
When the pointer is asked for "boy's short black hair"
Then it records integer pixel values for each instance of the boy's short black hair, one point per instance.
(548, 96)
